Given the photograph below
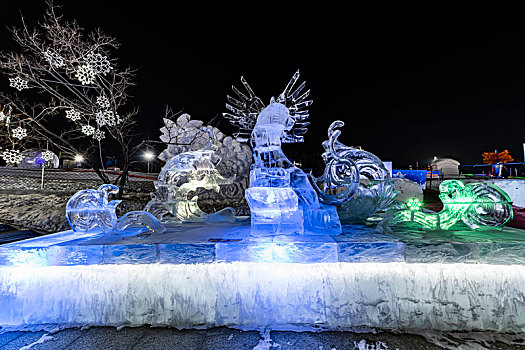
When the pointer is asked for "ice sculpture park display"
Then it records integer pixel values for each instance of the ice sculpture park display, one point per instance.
(180, 179)
(281, 197)
(369, 187)
(475, 204)
(90, 210)
(185, 134)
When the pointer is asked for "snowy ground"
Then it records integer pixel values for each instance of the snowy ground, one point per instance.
(44, 211)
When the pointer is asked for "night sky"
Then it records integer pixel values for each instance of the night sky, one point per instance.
(411, 80)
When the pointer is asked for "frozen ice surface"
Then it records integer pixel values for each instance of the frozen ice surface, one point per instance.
(395, 295)
(229, 242)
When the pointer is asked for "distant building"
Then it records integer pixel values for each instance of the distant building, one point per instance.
(447, 167)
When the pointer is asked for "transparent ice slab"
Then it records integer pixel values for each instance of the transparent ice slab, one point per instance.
(231, 242)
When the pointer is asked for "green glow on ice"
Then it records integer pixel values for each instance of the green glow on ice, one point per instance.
(476, 204)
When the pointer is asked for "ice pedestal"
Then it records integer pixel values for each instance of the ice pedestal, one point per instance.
(274, 210)
(196, 275)
(397, 296)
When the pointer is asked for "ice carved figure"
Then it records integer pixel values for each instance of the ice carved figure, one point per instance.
(184, 134)
(88, 209)
(178, 184)
(281, 197)
(476, 204)
(366, 183)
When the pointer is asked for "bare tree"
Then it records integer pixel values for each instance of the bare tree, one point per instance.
(76, 98)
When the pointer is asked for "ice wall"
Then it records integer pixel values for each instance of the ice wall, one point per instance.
(251, 295)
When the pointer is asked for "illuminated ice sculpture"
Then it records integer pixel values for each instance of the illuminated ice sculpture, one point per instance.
(180, 180)
(476, 204)
(367, 183)
(90, 209)
(281, 198)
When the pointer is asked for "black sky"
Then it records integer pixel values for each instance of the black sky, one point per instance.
(411, 80)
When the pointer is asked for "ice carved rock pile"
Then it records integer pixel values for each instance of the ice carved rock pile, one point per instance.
(185, 134)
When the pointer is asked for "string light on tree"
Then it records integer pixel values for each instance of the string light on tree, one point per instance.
(88, 130)
(12, 156)
(99, 135)
(99, 63)
(73, 114)
(103, 101)
(85, 74)
(54, 58)
(18, 83)
(19, 133)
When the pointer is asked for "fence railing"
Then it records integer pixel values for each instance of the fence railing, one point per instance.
(67, 180)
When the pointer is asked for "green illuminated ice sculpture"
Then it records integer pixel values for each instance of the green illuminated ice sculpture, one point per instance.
(476, 204)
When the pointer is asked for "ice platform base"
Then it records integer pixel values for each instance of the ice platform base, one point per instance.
(217, 275)
(227, 242)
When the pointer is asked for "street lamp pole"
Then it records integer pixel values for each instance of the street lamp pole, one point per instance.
(149, 156)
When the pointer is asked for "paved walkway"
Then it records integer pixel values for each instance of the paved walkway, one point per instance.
(146, 338)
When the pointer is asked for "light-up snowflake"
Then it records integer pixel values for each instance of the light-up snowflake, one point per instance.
(85, 74)
(100, 118)
(19, 133)
(88, 130)
(99, 135)
(18, 83)
(47, 155)
(53, 58)
(103, 101)
(12, 156)
(99, 63)
(73, 114)
(111, 118)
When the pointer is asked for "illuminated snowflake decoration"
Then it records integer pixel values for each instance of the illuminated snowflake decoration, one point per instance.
(100, 118)
(100, 63)
(47, 155)
(53, 58)
(103, 101)
(18, 83)
(85, 74)
(73, 114)
(19, 133)
(88, 130)
(111, 118)
(99, 135)
(12, 156)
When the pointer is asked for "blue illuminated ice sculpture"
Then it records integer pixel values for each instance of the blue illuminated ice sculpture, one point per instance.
(90, 209)
(281, 198)
(367, 182)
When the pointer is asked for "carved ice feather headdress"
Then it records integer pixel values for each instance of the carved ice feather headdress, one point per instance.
(246, 108)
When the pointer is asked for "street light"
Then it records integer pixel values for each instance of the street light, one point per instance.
(78, 160)
(149, 156)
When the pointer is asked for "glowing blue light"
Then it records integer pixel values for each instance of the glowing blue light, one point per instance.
(27, 257)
